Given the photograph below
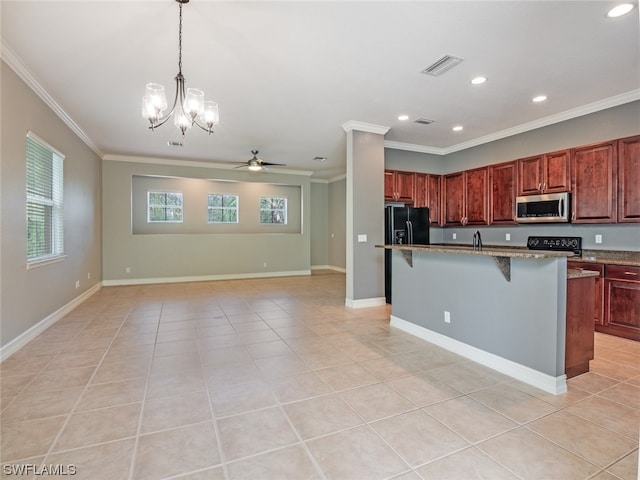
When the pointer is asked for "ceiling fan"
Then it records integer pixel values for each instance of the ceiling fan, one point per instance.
(257, 164)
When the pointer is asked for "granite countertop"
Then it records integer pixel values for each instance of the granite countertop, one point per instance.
(611, 257)
(488, 251)
(579, 273)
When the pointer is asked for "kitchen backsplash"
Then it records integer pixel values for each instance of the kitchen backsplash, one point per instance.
(613, 237)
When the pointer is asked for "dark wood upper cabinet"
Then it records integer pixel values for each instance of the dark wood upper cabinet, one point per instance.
(629, 179)
(434, 183)
(548, 173)
(594, 183)
(465, 197)
(453, 198)
(399, 186)
(477, 184)
(502, 193)
(427, 194)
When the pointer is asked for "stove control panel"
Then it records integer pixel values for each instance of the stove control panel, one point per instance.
(558, 244)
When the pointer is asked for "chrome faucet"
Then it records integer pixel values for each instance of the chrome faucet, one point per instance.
(477, 240)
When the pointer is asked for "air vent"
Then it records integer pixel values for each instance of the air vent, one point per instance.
(443, 64)
(423, 121)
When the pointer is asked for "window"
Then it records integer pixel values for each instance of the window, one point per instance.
(164, 207)
(273, 210)
(45, 223)
(222, 208)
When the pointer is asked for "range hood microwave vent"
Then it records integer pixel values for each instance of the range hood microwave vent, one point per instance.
(443, 64)
(423, 121)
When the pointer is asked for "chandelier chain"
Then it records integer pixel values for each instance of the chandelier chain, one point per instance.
(180, 42)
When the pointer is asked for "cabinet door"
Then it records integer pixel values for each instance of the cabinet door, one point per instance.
(420, 196)
(502, 193)
(389, 185)
(622, 302)
(453, 198)
(598, 294)
(433, 199)
(555, 177)
(530, 175)
(405, 186)
(629, 179)
(594, 192)
(476, 198)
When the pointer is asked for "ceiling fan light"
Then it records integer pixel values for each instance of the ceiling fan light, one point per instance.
(255, 168)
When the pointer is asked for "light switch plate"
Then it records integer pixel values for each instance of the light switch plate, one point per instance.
(362, 238)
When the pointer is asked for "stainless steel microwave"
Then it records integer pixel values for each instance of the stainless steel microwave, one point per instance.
(547, 208)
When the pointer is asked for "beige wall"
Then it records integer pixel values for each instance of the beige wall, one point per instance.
(158, 257)
(29, 296)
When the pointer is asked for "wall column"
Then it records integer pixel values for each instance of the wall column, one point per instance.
(365, 214)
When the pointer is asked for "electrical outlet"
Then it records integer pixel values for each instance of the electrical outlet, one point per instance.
(89, 276)
(454, 236)
(77, 283)
(264, 264)
(128, 269)
(447, 317)
(598, 238)
(507, 236)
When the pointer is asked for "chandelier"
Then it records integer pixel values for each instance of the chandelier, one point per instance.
(188, 108)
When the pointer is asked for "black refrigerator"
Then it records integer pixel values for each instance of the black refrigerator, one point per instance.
(403, 225)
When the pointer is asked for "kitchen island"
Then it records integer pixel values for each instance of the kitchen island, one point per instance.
(461, 299)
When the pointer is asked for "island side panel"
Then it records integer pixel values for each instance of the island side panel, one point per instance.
(522, 320)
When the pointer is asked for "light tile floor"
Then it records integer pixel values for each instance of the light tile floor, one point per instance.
(276, 379)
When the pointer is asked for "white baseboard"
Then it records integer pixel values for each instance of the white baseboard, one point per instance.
(365, 302)
(329, 267)
(21, 340)
(548, 383)
(202, 278)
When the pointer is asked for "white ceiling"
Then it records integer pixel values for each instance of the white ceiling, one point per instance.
(288, 74)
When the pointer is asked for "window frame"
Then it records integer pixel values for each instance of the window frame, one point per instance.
(164, 206)
(47, 193)
(223, 208)
(271, 199)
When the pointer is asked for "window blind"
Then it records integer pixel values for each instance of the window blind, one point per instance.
(45, 232)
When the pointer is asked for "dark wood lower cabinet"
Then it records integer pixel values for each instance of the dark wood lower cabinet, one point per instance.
(598, 292)
(580, 326)
(622, 301)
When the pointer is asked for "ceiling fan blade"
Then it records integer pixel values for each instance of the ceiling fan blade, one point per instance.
(278, 164)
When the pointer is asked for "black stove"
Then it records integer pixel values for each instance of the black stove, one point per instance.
(556, 244)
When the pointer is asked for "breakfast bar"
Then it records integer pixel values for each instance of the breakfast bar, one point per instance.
(504, 308)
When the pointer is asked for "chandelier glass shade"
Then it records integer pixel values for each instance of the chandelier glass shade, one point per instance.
(189, 107)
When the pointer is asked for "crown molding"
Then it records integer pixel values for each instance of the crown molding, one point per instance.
(194, 163)
(16, 64)
(365, 127)
(610, 102)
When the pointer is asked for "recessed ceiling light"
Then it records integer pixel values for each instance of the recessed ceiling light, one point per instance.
(620, 10)
(539, 98)
(457, 128)
(403, 117)
(478, 80)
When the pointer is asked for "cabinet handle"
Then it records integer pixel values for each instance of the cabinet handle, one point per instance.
(540, 186)
(544, 187)
(631, 273)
